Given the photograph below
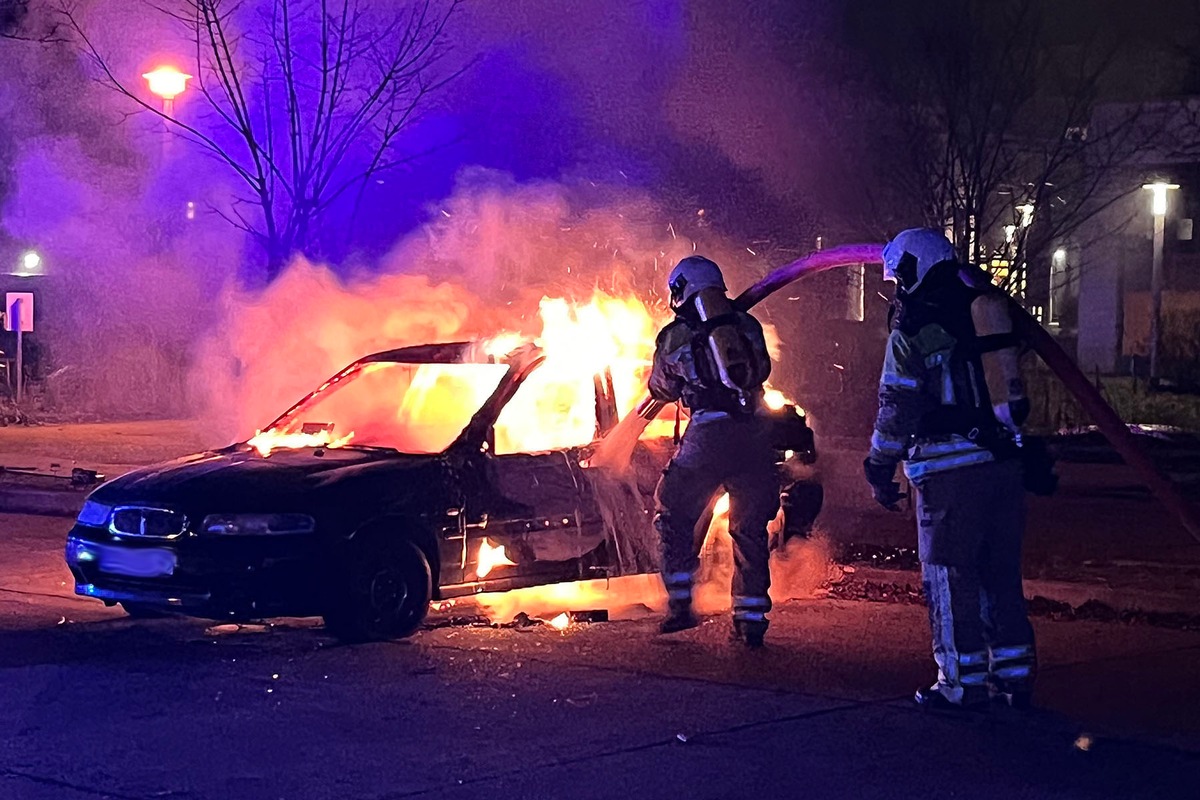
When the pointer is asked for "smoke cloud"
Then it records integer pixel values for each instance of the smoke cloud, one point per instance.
(480, 265)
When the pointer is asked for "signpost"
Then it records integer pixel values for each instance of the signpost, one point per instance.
(18, 317)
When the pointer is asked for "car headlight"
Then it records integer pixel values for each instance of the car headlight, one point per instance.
(94, 514)
(258, 524)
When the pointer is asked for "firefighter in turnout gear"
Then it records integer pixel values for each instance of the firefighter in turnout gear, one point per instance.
(714, 359)
(951, 406)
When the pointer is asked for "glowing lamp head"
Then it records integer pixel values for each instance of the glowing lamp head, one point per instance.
(1026, 214)
(31, 261)
(167, 82)
(1158, 196)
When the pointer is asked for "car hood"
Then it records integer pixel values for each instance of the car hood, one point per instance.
(238, 479)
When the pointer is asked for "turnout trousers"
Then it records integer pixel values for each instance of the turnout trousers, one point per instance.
(970, 522)
(734, 453)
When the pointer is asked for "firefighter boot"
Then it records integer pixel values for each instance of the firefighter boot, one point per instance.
(1014, 695)
(749, 633)
(680, 617)
(932, 698)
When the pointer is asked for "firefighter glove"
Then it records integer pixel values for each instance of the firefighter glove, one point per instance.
(886, 490)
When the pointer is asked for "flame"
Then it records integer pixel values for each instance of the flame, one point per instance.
(490, 557)
(605, 343)
(775, 400)
(582, 342)
(560, 622)
(267, 441)
(502, 345)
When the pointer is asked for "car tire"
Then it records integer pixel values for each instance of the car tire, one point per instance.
(382, 591)
(140, 611)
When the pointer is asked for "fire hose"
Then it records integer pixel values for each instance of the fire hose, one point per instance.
(1039, 340)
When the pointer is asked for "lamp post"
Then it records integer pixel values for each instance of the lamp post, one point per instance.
(31, 264)
(168, 83)
(1158, 207)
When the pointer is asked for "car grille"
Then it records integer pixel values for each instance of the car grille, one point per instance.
(152, 523)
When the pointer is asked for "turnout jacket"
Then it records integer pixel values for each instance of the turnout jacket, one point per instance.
(934, 410)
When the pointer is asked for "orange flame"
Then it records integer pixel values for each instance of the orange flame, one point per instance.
(490, 557)
(266, 441)
(556, 408)
(560, 622)
(420, 408)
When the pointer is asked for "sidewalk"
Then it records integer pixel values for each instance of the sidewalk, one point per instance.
(110, 448)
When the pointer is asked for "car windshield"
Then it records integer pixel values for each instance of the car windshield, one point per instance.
(413, 408)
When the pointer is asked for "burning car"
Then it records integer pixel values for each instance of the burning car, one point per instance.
(413, 474)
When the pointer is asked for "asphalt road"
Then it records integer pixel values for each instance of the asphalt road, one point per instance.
(93, 704)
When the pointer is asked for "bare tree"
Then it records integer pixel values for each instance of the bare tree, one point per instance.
(307, 99)
(19, 24)
(993, 130)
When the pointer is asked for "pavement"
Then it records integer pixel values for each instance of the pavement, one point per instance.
(96, 705)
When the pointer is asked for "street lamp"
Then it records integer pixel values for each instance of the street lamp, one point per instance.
(168, 83)
(30, 263)
(1158, 207)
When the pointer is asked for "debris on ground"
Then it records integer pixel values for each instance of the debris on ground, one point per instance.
(880, 556)
(1039, 606)
(876, 592)
(231, 628)
(521, 622)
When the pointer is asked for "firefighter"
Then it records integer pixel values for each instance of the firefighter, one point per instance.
(714, 359)
(951, 407)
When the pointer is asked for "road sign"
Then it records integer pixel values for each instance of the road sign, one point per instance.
(18, 306)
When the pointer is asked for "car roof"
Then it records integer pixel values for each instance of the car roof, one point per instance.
(471, 352)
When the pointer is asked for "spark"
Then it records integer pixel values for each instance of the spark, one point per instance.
(751, 252)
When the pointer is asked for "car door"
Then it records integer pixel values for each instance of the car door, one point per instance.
(522, 515)
(529, 506)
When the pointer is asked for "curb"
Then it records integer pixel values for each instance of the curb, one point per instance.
(1073, 593)
(45, 502)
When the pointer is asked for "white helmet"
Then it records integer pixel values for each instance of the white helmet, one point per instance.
(908, 258)
(692, 275)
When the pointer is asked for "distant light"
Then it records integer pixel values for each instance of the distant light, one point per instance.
(1026, 214)
(31, 261)
(167, 82)
(1010, 233)
(1158, 196)
(1060, 255)
(191, 210)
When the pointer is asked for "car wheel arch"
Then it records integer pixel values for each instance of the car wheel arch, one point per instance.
(417, 530)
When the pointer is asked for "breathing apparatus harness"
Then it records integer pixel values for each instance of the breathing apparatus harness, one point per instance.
(946, 301)
(732, 363)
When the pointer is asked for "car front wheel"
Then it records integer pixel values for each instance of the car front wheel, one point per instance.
(382, 591)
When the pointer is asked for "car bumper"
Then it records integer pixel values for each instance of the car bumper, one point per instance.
(242, 578)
